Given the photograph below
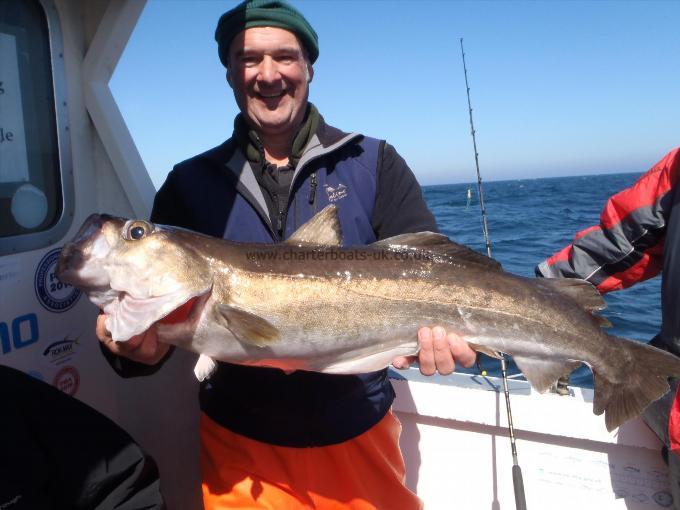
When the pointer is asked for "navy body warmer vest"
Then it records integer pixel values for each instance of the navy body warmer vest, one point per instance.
(303, 408)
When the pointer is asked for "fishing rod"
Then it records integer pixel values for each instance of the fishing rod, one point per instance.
(517, 480)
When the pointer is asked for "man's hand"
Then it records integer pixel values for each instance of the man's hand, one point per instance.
(439, 352)
(144, 348)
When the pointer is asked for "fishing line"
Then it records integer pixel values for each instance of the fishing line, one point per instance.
(517, 480)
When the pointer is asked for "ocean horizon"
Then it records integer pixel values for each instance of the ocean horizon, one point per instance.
(473, 180)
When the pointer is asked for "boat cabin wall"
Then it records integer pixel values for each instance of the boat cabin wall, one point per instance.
(65, 154)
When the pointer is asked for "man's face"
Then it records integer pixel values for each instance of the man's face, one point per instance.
(270, 77)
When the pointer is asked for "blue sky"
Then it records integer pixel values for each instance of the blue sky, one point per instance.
(558, 88)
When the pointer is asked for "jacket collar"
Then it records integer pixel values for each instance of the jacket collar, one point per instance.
(231, 157)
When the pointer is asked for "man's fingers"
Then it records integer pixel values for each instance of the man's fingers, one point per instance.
(144, 348)
(403, 362)
(120, 348)
(443, 354)
(104, 336)
(125, 347)
(440, 352)
(461, 351)
(426, 355)
(100, 330)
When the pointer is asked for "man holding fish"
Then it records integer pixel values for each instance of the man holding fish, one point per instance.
(301, 293)
(273, 439)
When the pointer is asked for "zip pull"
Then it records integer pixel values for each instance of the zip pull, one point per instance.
(312, 189)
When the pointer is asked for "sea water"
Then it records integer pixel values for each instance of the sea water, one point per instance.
(529, 220)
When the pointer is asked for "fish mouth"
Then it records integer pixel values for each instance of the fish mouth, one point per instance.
(70, 260)
(127, 316)
(80, 260)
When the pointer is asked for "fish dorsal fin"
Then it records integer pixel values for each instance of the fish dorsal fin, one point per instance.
(247, 327)
(581, 291)
(323, 229)
(439, 246)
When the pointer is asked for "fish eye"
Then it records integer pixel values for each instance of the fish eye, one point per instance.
(136, 230)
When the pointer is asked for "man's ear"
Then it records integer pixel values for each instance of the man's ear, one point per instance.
(229, 79)
(310, 73)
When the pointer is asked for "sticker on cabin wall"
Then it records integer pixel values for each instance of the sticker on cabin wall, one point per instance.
(53, 294)
(36, 375)
(67, 380)
(13, 154)
(60, 351)
(10, 272)
(18, 333)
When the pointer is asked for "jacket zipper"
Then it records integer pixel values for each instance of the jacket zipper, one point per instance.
(312, 190)
(279, 219)
(275, 232)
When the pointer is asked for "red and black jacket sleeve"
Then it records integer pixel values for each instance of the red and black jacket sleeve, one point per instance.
(627, 246)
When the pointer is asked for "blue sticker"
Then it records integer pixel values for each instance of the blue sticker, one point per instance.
(36, 375)
(52, 293)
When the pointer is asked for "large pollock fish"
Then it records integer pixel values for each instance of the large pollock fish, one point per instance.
(309, 304)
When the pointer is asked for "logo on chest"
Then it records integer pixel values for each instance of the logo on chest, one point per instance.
(337, 193)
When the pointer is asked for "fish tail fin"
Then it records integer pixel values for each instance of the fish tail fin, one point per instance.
(641, 379)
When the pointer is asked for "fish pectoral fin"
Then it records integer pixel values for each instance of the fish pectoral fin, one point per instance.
(542, 374)
(247, 327)
(323, 229)
(437, 245)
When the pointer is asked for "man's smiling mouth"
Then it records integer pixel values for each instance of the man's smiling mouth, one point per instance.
(271, 95)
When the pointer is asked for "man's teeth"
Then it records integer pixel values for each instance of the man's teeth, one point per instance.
(272, 95)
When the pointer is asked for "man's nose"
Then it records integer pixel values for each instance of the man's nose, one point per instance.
(268, 70)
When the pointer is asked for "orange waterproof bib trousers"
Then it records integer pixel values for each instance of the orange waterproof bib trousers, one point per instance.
(364, 473)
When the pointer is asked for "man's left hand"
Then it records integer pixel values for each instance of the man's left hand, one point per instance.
(439, 352)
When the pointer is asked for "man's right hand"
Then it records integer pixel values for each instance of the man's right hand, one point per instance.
(144, 348)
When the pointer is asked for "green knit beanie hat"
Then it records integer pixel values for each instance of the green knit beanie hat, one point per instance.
(264, 13)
